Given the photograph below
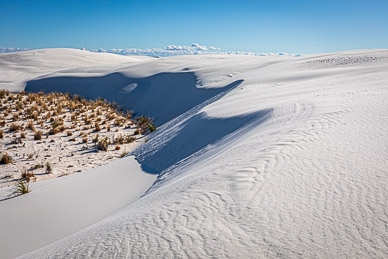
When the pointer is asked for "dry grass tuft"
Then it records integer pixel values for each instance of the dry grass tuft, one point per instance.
(38, 135)
(49, 168)
(97, 126)
(21, 187)
(103, 145)
(14, 127)
(30, 126)
(5, 159)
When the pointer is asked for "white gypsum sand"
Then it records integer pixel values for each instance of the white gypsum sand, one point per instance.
(259, 157)
(59, 207)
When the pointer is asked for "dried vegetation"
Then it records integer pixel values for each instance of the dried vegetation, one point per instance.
(65, 132)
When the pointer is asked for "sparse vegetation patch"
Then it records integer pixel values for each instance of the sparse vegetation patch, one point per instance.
(21, 187)
(41, 132)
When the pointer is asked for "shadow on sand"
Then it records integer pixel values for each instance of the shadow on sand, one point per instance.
(198, 135)
(162, 96)
(166, 97)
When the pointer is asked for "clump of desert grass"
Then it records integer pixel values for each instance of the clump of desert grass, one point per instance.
(28, 175)
(14, 127)
(22, 187)
(30, 126)
(103, 144)
(144, 123)
(38, 135)
(5, 159)
(97, 126)
(49, 168)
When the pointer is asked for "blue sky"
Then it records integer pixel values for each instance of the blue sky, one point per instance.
(304, 26)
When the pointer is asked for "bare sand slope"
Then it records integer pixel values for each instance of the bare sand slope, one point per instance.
(58, 207)
(287, 157)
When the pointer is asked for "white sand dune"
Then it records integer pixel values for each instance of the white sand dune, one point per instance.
(258, 157)
(18, 68)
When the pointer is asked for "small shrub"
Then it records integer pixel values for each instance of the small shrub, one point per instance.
(53, 131)
(49, 168)
(35, 116)
(117, 147)
(85, 140)
(103, 145)
(130, 139)
(22, 134)
(119, 122)
(136, 132)
(95, 140)
(23, 172)
(3, 93)
(69, 133)
(61, 128)
(21, 187)
(97, 126)
(31, 126)
(28, 175)
(120, 140)
(142, 121)
(57, 123)
(1, 134)
(38, 135)
(129, 115)
(111, 116)
(14, 127)
(86, 120)
(5, 159)
(151, 127)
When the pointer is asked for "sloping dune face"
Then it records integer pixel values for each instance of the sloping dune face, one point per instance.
(258, 157)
